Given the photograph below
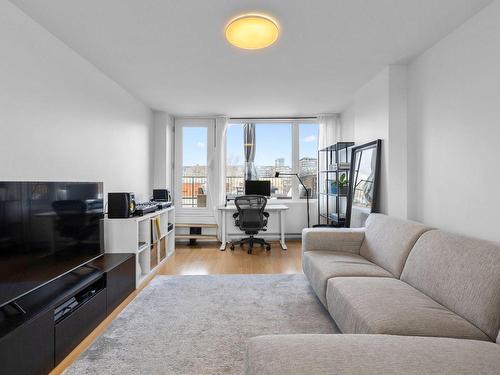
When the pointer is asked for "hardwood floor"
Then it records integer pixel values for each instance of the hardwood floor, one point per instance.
(205, 259)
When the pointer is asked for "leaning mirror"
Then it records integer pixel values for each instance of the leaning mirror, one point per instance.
(363, 190)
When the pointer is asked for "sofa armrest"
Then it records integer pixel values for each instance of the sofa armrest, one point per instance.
(333, 239)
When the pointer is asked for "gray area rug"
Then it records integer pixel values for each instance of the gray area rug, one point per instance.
(201, 324)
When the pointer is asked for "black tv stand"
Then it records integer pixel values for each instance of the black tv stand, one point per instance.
(44, 326)
(18, 307)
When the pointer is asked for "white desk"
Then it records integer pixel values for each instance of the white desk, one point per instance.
(280, 208)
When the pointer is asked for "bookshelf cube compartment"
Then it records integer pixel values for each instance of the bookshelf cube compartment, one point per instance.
(163, 248)
(154, 255)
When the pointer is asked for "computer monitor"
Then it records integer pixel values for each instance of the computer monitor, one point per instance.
(254, 187)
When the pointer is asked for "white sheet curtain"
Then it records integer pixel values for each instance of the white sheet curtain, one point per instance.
(219, 164)
(329, 132)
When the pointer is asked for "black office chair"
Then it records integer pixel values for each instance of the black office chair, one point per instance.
(251, 219)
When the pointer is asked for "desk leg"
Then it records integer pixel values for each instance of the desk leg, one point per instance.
(282, 230)
(223, 231)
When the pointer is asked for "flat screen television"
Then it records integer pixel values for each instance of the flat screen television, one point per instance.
(47, 229)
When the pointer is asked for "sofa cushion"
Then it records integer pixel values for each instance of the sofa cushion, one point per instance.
(461, 273)
(372, 305)
(348, 240)
(388, 241)
(369, 355)
(319, 266)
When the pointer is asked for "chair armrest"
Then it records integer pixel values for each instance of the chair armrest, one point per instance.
(348, 240)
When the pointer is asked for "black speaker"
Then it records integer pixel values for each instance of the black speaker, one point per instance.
(161, 195)
(121, 205)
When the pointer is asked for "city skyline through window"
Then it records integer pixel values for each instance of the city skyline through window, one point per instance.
(274, 153)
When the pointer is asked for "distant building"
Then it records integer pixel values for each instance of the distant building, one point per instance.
(235, 170)
(280, 162)
(265, 171)
(195, 170)
(308, 166)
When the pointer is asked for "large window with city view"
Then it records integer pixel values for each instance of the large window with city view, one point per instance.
(257, 151)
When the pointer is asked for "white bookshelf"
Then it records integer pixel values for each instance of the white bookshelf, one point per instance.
(139, 235)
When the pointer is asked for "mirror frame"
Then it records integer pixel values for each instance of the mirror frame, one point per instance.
(377, 145)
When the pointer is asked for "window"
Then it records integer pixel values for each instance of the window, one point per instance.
(194, 167)
(273, 143)
(308, 158)
(259, 150)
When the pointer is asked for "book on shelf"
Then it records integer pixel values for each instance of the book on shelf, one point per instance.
(335, 166)
(157, 225)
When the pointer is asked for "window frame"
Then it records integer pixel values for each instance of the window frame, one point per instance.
(180, 124)
(295, 157)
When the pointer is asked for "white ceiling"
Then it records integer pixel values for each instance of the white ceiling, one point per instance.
(172, 54)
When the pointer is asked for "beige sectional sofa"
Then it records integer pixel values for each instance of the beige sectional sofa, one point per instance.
(409, 300)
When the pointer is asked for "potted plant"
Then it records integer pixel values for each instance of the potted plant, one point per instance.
(343, 184)
(339, 187)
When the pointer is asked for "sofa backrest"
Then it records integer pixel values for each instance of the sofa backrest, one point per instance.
(460, 273)
(388, 241)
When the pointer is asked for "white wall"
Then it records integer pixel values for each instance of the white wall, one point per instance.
(379, 112)
(163, 161)
(347, 123)
(62, 119)
(371, 122)
(454, 117)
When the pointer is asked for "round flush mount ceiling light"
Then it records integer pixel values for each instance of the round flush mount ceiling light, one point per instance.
(252, 31)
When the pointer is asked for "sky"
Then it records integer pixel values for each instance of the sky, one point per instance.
(194, 146)
(273, 141)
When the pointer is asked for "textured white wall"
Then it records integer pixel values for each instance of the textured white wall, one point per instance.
(454, 117)
(62, 119)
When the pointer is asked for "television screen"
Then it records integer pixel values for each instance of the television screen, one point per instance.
(46, 229)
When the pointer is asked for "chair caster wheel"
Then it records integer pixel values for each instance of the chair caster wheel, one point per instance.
(231, 247)
(249, 251)
(268, 247)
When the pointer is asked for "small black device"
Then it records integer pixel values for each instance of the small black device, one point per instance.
(161, 205)
(121, 205)
(255, 187)
(161, 195)
(145, 208)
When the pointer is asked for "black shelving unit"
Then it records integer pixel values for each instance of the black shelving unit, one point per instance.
(333, 183)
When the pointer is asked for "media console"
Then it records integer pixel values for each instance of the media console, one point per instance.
(60, 314)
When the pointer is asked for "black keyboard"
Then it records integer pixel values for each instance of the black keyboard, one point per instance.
(161, 205)
(142, 209)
